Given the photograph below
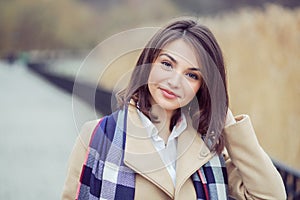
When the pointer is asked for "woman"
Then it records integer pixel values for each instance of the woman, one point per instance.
(173, 136)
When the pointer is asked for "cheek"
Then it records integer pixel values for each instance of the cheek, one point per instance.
(191, 91)
(156, 75)
(191, 88)
(196, 87)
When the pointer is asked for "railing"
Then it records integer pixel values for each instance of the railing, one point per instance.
(291, 177)
(101, 101)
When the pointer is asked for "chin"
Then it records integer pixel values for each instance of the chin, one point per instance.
(169, 106)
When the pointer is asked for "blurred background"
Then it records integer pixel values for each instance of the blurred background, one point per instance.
(43, 44)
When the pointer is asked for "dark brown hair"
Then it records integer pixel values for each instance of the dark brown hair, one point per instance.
(209, 107)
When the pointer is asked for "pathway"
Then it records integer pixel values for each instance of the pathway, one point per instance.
(37, 132)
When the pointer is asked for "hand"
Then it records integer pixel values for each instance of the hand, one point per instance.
(229, 118)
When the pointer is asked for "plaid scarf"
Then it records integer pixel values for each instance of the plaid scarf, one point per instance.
(105, 176)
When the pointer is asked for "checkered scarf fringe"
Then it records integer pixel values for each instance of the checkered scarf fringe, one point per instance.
(105, 176)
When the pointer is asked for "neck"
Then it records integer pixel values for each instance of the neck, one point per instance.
(164, 120)
(162, 114)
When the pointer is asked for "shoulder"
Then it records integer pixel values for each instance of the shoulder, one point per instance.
(87, 130)
(96, 128)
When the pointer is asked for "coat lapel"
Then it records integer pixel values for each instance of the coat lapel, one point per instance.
(141, 156)
(192, 153)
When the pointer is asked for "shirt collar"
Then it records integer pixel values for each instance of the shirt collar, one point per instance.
(152, 130)
(179, 128)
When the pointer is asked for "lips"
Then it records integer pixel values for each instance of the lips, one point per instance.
(168, 94)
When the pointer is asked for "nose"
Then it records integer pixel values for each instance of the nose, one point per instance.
(174, 80)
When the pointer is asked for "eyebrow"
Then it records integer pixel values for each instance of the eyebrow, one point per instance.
(194, 69)
(174, 60)
(170, 57)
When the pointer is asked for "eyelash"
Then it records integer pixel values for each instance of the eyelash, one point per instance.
(166, 65)
(192, 76)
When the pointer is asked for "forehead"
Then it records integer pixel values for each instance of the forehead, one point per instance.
(182, 52)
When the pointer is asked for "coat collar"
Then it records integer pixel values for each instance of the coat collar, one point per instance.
(141, 156)
(192, 153)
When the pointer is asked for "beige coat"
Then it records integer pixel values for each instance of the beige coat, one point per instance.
(251, 174)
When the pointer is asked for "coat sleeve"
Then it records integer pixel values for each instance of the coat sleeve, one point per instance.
(76, 160)
(251, 173)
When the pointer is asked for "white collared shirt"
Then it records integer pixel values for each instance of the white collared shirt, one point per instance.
(167, 152)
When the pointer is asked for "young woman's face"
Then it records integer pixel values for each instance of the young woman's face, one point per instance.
(175, 76)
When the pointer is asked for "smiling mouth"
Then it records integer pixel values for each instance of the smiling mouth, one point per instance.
(168, 94)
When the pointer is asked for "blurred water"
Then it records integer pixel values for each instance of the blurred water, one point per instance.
(36, 137)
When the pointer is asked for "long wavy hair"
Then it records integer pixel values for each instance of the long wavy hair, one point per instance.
(209, 107)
